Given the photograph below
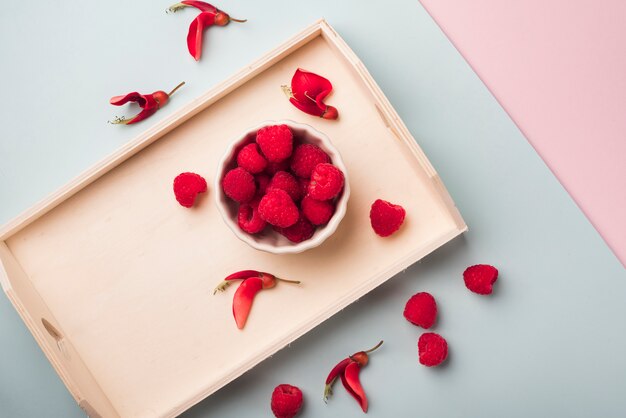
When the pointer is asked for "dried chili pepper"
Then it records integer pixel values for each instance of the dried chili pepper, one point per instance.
(209, 16)
(307, 93)
(348, 371)
(149, 104)
(253, 282)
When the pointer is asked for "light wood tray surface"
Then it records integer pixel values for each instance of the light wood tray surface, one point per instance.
(126, 274)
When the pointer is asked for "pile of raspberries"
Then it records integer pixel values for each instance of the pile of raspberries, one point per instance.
(283, 183)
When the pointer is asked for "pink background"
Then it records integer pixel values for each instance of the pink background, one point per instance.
(559, 69)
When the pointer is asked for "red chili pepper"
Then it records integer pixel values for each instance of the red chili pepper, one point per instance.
(253, 282)
(348, 370)
(149, 104)
(209, 16)
(307, 93)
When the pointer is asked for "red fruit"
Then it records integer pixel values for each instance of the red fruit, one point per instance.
(285, 181)
(250, 159)
(239, 185)
(298, 232)
(249, 219)
(273, 168)
(432, 349)
(286, 401)
(421, 310)
(262, 181)
(276, 142)
(305, 158)
(326, 182)
(318, 212)
(386, 218)
(277, 208)
(480, 278)
(304, 185)
(187, 186)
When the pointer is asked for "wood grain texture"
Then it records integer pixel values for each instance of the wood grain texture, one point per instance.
(128, 273)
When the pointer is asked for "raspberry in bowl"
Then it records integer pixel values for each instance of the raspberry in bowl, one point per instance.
(282, 187)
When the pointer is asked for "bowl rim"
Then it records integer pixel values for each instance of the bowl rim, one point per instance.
(329, 228)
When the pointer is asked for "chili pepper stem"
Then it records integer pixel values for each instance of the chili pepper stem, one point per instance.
(288, 281)
(375, 347)
(232, 19)
(176, 88)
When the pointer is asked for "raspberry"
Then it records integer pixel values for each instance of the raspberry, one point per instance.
(386, 218)
(273, 168)
(276, 142)
(421, 310)
(249, 219)
(304, 185)
(286, 401)
(432, 349)
(305, 158)
(277, 208)
(285, 181)
(187, 186)
(326, 182)
(239, 185)
(251, 160)
(480, 278)
(300, 231)
(318, 212)
(262, 181)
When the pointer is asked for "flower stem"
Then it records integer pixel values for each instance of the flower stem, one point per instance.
(288, 281)
(238, 20)
(375, 347)
(176, 88)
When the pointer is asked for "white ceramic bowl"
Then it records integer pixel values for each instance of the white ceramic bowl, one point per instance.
(269, 240)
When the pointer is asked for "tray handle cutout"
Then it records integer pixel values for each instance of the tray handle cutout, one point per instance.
(57, 336)
(54, 333)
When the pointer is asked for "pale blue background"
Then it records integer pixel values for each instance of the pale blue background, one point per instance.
(551, 340)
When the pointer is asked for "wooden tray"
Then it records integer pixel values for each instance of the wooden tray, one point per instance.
(114, 279)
